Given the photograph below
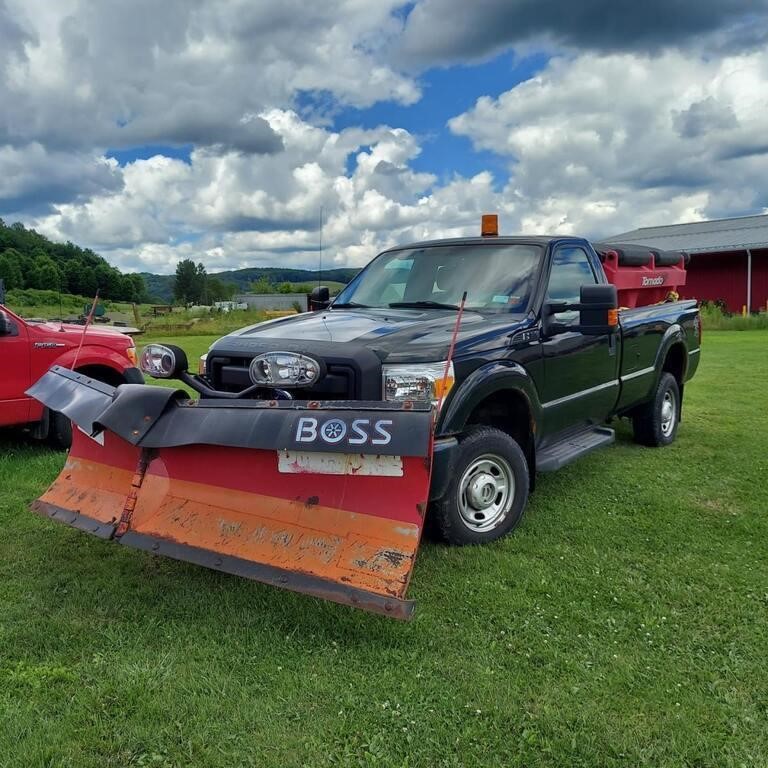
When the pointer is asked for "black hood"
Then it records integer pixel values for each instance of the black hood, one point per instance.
(394, 335)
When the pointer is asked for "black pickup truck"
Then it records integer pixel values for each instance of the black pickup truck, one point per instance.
(542, 362)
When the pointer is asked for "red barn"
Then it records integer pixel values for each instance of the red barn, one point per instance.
(729, 258)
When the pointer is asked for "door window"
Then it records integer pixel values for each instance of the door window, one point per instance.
(570, 270)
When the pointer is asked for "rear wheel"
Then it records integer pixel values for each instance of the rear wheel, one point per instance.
(59, 430)
(488, 492)
(655, 423)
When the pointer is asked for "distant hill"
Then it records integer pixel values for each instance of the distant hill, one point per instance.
(30, 260)
(161, 286)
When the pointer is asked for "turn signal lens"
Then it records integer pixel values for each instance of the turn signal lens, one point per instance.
(613, 317)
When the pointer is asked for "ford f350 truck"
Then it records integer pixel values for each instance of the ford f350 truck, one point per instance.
(434, 388)
(541, 363)
(29, 349)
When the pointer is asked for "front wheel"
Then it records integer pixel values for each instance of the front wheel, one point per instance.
(59, 430)
(488, 491)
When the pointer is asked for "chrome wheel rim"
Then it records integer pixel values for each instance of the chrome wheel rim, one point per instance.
(486, 491)
(668, 414)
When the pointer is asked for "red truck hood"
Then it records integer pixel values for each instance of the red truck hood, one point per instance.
(71, 334)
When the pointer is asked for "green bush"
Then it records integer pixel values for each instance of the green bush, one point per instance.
(715, 319)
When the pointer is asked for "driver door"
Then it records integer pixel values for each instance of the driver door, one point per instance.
(15, 377)
(580, 372)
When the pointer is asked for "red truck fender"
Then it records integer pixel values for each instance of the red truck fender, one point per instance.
(92, 355)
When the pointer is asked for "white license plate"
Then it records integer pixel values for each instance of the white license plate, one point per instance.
(320, 463)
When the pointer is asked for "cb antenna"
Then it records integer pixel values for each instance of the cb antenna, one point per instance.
(61, 308)
(320, 268)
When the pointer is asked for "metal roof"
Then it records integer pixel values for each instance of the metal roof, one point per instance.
(701, 236)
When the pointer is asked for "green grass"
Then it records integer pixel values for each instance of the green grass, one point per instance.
(624, 624)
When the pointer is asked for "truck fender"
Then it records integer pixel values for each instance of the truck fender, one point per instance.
(675, 334)
(480, 384)
(93, 355)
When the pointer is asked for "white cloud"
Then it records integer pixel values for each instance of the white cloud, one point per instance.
(602, 143)
(82, 73)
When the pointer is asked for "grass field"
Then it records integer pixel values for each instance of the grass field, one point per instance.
(624, 624)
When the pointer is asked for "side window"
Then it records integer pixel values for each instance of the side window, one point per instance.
(570, 270)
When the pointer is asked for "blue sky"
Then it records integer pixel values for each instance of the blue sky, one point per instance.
(219, 131)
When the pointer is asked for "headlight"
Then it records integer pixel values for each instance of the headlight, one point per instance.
(285, 369)
(422, 382)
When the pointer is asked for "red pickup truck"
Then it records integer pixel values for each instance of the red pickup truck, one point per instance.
(29, 349)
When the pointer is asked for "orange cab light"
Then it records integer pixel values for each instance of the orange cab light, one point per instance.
(613, 317)
(489, 225)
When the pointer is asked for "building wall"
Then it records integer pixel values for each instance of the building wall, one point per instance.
(276, 301)
(723, 275)
(759, 279)
(718, 276)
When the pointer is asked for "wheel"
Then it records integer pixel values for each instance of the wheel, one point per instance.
(488, 491)
(59, 430)
(656, 422)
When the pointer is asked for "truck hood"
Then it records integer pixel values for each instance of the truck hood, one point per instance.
(396, 335)
(70, 335)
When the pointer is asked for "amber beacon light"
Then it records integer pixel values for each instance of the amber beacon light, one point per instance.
(489, 225)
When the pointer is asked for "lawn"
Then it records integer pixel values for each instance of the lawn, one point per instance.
(624, 624)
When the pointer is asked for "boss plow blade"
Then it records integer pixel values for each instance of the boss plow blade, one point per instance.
(322, 498)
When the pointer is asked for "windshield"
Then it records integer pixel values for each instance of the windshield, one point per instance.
(495, 277)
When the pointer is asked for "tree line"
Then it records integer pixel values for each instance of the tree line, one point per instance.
(30, 260)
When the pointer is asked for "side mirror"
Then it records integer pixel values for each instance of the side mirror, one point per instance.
(6, 326)
(320, 298)
(597, 310)
(163, 362)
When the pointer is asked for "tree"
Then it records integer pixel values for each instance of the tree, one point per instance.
(185, 282)
(201, 285)
(109, 281)
(218, 290)
(45, 275)
(262, 285)
(10, 269)
(134, 288)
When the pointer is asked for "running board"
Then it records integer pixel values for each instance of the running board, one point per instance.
(571, 446)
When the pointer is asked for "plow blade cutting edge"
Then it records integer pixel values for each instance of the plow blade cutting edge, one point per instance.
(325, 498)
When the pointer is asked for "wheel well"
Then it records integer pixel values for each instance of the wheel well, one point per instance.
(508, 411)
(674, 363)
(103, 373)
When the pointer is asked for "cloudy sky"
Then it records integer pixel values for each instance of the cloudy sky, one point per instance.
(221, 129)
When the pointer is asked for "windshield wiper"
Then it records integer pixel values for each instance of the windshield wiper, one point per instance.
(422, 305)
(350, 304)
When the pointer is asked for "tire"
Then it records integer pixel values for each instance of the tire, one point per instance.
(655, 423)
(470, 512)
(59, 430)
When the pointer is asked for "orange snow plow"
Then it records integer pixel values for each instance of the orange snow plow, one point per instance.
(325, 498)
